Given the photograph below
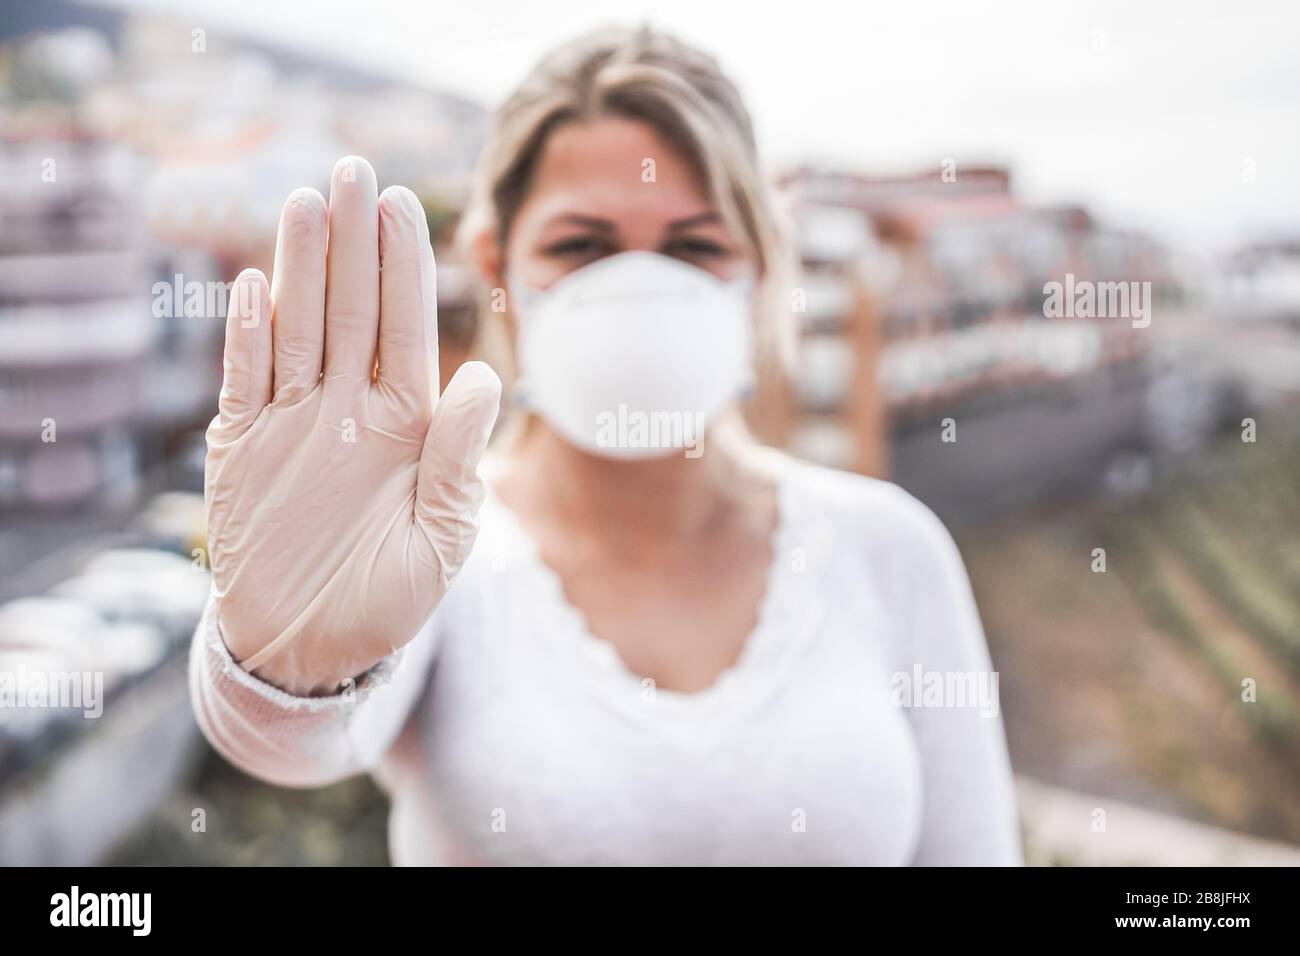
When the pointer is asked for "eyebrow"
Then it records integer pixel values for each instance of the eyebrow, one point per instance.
(703, 219)
(605, 225)
(577, 219)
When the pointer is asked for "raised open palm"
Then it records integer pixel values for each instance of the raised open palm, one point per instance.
(341, 490)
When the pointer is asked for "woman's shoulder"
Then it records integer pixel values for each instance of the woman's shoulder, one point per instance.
(869, 516)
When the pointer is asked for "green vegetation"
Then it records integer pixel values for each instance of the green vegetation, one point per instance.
(1225, 535)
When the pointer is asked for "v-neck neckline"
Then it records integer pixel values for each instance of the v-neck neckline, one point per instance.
(780, 624)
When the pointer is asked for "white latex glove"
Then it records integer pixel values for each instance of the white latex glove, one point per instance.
(341, 491)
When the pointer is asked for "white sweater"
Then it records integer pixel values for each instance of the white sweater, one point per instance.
(507, 733)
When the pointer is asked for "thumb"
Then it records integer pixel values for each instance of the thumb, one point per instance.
(449, 490)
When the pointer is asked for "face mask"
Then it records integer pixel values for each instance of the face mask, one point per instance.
(634, 355)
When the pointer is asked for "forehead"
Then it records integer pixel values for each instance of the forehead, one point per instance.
(601, 168)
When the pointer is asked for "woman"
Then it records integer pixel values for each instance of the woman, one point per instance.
(668, 645)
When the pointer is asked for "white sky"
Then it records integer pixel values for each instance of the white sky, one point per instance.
(1149, 112)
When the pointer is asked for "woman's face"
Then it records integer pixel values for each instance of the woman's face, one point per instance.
(589, 198)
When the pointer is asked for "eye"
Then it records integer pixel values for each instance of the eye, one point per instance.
(695, 247)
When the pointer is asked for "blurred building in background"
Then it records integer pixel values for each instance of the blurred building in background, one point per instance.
(74, 310)
(926, 302)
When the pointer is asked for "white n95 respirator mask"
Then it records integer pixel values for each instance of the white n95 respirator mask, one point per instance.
(635, 354)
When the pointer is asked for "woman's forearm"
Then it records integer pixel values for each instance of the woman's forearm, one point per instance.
(298, 741)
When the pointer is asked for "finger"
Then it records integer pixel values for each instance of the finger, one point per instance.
(298, 294)
(408, 308)
(246, 382)
(450, 491)
(352, 279)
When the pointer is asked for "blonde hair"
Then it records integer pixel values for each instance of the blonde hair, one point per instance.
(682, 94)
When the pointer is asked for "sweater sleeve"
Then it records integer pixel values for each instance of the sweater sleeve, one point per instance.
(969, 814)
(296, 741)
